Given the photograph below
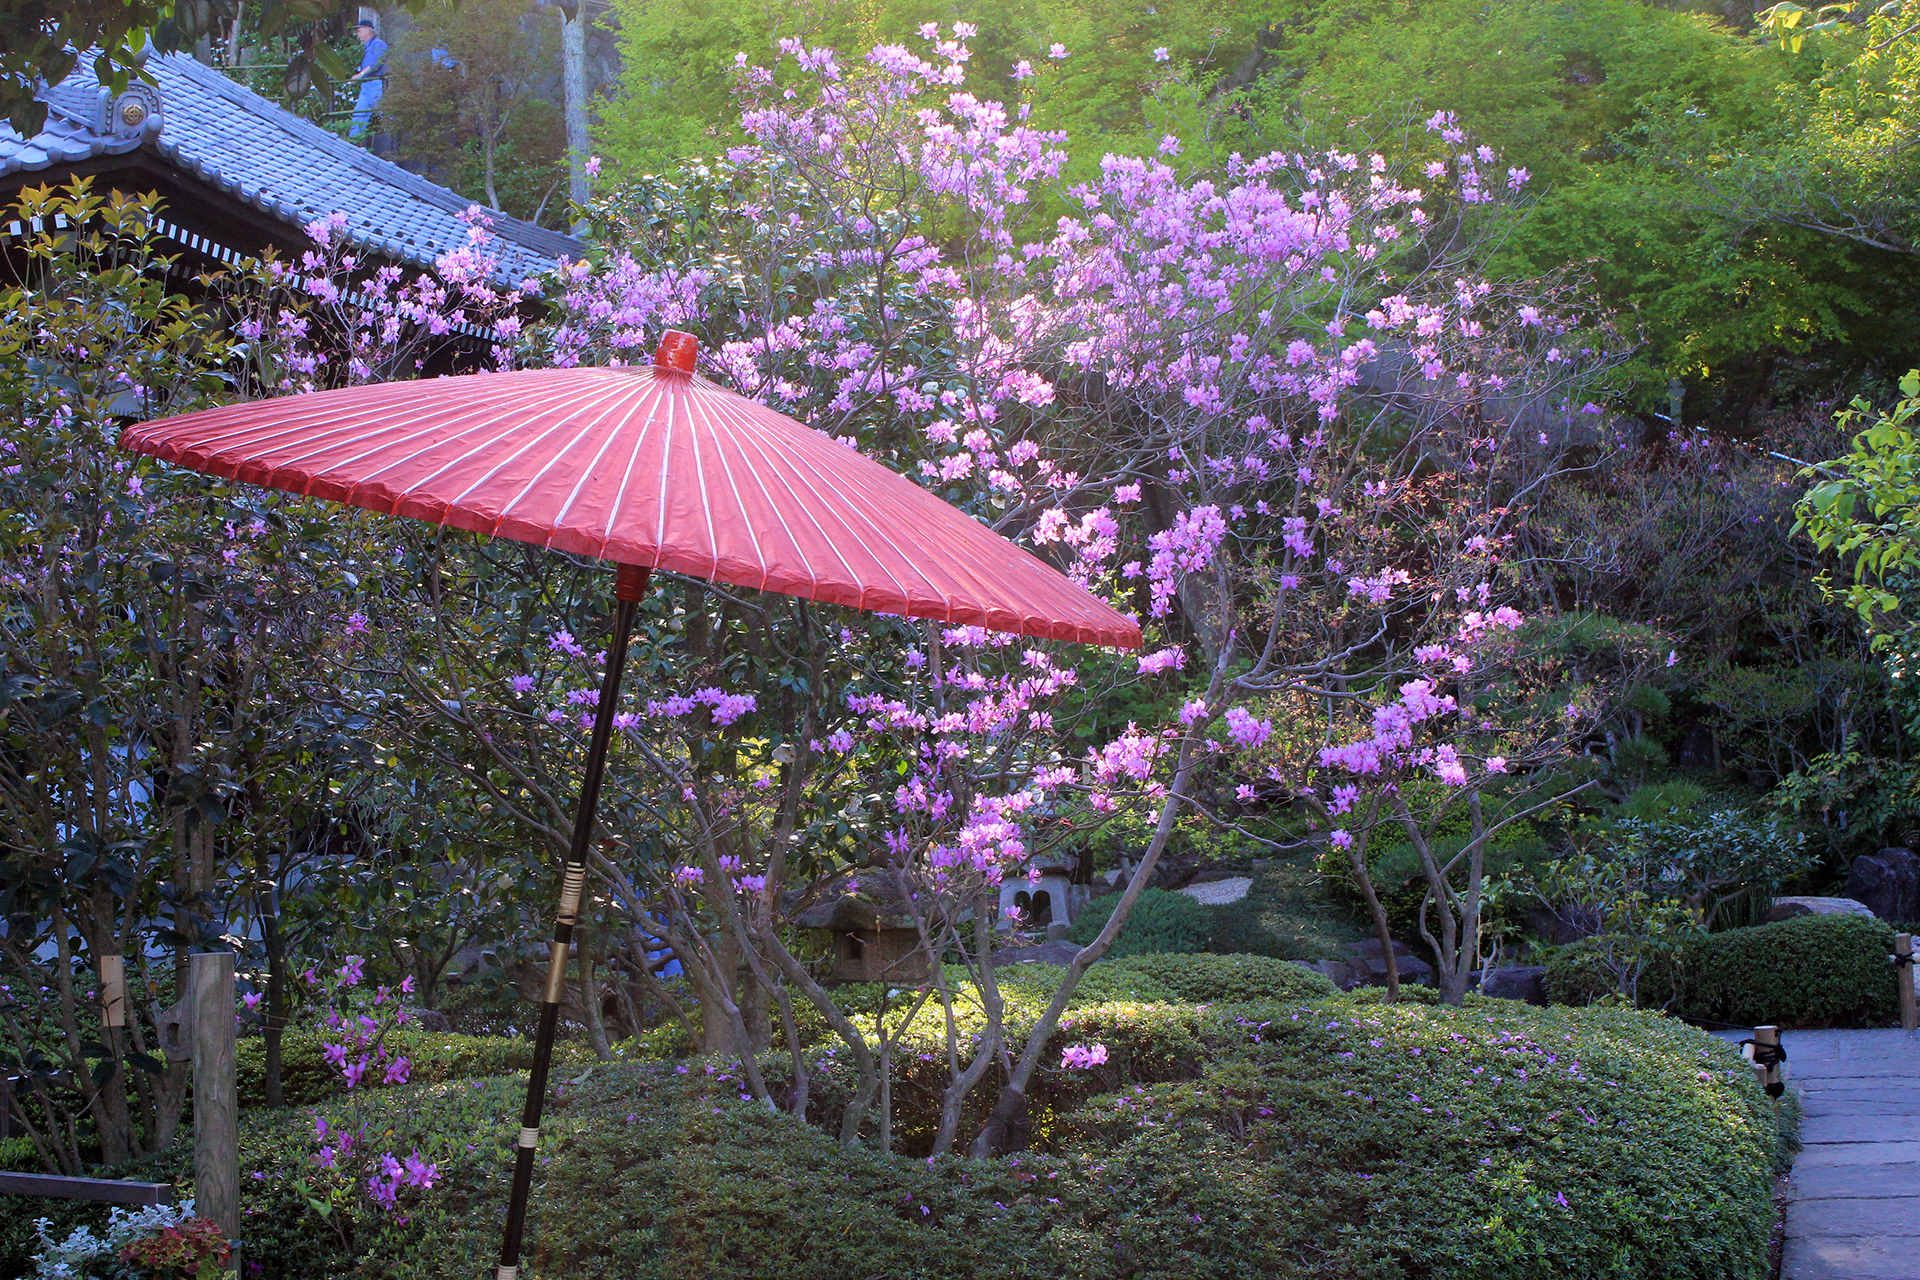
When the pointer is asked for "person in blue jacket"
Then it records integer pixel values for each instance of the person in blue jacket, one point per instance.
(371, 77)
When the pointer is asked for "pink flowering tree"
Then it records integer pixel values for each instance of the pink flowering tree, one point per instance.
(1272, 410)
(337, 316)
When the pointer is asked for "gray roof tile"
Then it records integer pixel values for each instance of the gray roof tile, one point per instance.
(237, 140)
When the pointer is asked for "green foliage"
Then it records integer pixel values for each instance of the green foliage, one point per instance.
(1161, 921)
(677, 59)
(19, 1214)
(1211, 979)
(1650, 133)
(1647, 889)
(1640, 946)
(163, 1240)
(1315, 1140)
(306, 1077)
(1863, 507)
(483, 125)
(1810, 971)
(1699, 860)
(1593, 971)
(1409, 994)
(1662, 799)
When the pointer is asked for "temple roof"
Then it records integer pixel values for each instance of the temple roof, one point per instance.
(203, 124)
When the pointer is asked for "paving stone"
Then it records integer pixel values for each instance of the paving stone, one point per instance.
(1885, 1103)
(1851, 1259)
(1853, 1199)
(1840, 1154)
(1857, 1126)
(1895, 1217)
(1854, 1181)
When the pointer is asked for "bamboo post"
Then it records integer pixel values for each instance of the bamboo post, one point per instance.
(1768, 1054)
(1903, 967)
(216, 1111)
(113, 992)
(629, 587)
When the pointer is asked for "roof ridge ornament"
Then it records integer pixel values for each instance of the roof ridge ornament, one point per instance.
(136, 113)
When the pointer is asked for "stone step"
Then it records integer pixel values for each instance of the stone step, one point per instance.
(1857, 1127)
(1851, 1259)
(1855, 1182)
(1843, 1154)
(1895, 1218)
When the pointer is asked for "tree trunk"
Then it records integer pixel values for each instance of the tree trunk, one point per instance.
(863, 1060)
(573, 83)
(1008, 1118)
(590, 1005)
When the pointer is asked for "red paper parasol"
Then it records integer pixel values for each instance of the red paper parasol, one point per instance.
(651, 468)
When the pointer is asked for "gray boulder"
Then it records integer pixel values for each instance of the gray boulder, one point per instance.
(429, 1020)
(1516, 982)
(1788, 908)
(1337, 972)
(1369, 966)
(1888, 882)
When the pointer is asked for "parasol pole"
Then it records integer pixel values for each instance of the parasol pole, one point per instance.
(629, 585)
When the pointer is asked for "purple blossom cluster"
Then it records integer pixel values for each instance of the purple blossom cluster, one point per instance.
(1083, 1057)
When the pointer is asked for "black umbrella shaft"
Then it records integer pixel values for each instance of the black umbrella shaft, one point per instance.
(630, 585)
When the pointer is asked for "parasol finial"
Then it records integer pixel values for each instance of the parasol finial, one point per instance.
(677, 351)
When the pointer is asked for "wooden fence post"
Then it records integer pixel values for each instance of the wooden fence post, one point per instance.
(216, 1111)
(1903, 967)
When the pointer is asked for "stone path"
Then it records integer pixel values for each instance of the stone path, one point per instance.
(1853, 1199)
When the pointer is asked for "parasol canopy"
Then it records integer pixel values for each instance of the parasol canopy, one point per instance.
(650, 466)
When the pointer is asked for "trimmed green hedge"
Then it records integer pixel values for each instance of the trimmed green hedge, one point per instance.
(1309, 1140)
(1161, 921)
(1160, 977)
(307, 1077)
(1205, 978)
(1286, 915)
(1810, 971)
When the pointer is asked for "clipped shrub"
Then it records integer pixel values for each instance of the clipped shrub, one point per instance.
(1160, 977)
(1252, 926)
(1577, 975)
(1810, 971)
(1106, 981)
(1314, 1140)
(1310, 1140)
(1213, 978)
(306, 1077)
(1161, 920)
